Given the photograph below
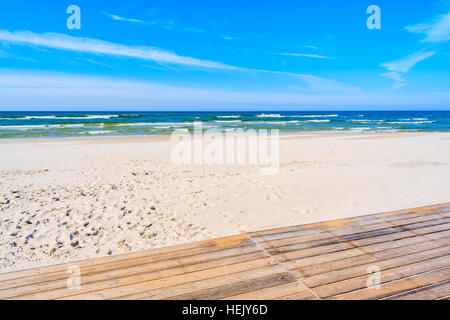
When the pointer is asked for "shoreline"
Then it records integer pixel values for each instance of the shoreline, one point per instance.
(167, 136)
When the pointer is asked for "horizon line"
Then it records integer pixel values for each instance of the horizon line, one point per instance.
(174, 111)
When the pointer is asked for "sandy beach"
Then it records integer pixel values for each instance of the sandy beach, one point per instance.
(69, 199)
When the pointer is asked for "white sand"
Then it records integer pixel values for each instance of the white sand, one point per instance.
(70, 199)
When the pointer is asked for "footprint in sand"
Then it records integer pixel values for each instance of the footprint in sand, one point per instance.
(273, 197)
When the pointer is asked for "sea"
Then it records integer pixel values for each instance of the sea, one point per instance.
(76, 124)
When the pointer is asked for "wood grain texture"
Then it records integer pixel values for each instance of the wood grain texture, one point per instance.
(409, 249)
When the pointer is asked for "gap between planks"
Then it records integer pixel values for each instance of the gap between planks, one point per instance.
(294, 273)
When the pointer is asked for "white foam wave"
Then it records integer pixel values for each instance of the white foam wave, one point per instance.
(233, 116)
(270, 116)
(317, 116)
(280, 122)
(410, 122)
(96, 132)
(63, 117)
(149, 124)
(38, 117)
(41, 126)
(88, 117)
(367, 120)
(181, 131)
(228, 121)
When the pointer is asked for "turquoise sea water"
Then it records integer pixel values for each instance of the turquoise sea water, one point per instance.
(65, 124)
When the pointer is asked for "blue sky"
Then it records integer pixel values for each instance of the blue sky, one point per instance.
(224, 55)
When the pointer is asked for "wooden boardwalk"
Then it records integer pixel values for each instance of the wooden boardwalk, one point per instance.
(328, 260)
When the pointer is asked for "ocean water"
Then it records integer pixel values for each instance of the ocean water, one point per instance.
(74, 124)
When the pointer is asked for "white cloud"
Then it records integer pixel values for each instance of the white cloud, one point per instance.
(165, 24)
(119, 18)
(192, 29)
(318, 84)
(307, 55)
(436, 31)
(38, 91)
(417, 28)
(229, 38)
(313, 83)
(95, 46)
(405, 64)
(398, 68)
(397, 77)
(311, 47)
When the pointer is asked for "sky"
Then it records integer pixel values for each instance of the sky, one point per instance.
(224, 55)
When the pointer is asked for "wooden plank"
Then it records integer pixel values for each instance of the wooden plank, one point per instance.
(398, 286)
(326, 235)
(156, 279)
(299, 296)
(339, 223)
(313, 228)
(150, 271)
(146, 290)
(314, 256)
(308, 249)
(287, 234)
(127, 267)
(292, 288)
(296, 239)
(364, 238)
(384, 226)
(349, 226)
(354, 271)
(441, 290)
(376, 252)
(338, 242)
(420, 218)
(239, 288)
(360, 282)
(187, 249)
(445, 213)
(425, 224)
(290, 244)
(355, 240)
(432, 292)
(400, 235)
